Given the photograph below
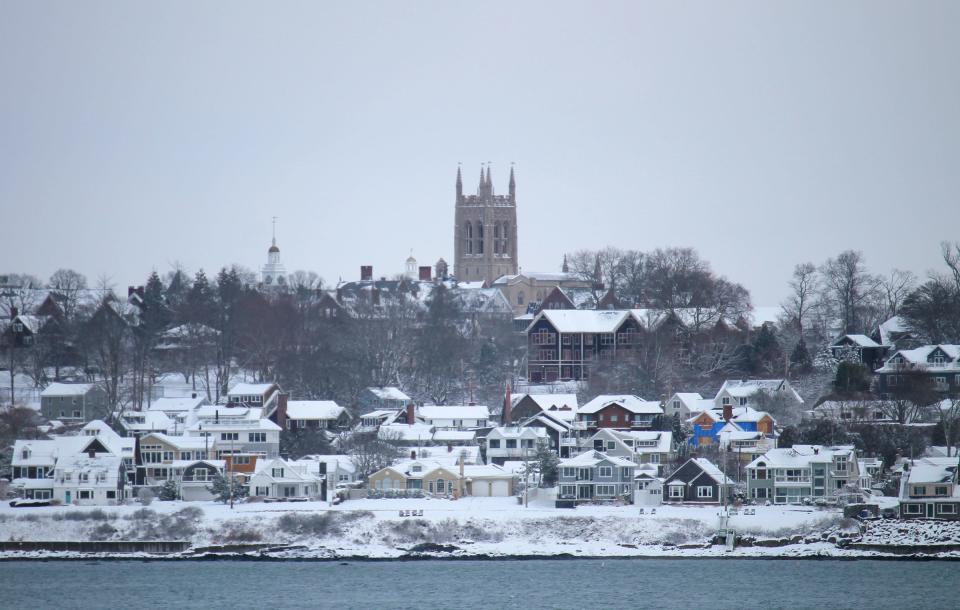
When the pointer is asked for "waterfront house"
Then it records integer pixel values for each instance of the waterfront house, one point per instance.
(596, 476)
(929, 489)
(803, 473)
(73, 402)
(621, 412)
(697, 481)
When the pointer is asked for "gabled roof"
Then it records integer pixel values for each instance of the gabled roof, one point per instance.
(919, 355)
(550, 401)
(67, 389)
(176, 404)
(313, 409)
(858, 340)
(250, 389)
(748, 387)
(800, 456)
(388, 393)
(431, 412)
(710, 469)
(593, 458)
(631, 403)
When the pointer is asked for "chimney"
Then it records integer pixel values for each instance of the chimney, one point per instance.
(193, 395)
(91, 453)
(425, 275)
(14, 312)
(413, 454)
(282, 410)
(411, 413)
(366, 273)
(727, 412)
(507, 407)
(816, 451)
(449, 448)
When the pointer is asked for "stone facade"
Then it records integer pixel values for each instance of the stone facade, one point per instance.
(485, 231)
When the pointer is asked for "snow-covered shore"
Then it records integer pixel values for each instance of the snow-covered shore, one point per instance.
(470, 527)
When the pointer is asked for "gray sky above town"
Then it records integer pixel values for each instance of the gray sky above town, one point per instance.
(762, 134)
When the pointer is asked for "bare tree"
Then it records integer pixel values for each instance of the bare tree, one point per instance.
(948, 411)
(67, 286)
(372, 451)
(804, 286)
(895, 289)
(849, 290)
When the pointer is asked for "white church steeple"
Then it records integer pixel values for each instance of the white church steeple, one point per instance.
(273, 273)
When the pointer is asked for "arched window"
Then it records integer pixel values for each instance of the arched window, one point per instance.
(479, 237)
(440, 485)
(504, 245)
(520, 298)
(468, 237)
(496, 238)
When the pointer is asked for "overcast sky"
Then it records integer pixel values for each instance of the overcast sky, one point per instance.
(760, 133)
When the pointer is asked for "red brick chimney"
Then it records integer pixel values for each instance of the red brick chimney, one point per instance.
(282, 410)
(366, 273)
(411, 413)
(413, 454)
(425, 273)
(727, 412)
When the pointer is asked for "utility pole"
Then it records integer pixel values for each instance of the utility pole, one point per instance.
(231, 472)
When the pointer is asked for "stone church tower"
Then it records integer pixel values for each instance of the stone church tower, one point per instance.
(485, 231)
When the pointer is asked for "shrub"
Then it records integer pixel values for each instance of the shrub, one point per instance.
(90, 515)
(313, 524)
(145, 495)
(142, 514)
(29, 517)
(236, 532)
(104, 531)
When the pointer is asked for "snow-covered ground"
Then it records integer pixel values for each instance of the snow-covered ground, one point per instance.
(470, 526)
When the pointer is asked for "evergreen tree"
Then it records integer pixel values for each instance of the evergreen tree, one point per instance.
(800, 357)
(169, 491)
(548, 464)
(679, 433)
(221, 489)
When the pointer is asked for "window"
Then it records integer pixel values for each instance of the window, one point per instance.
(606, 490)
(511, 443)
(611, 445)
(569, 473)
(440, 486)
(676, 405)
(416, 468)
(940, 491)
(494, 443)
(841, 463)
(84, 477)
(725, 400)
(892, 380)
(676, 491)
(276, 473)
(606, 339)
(704, 491)
(568, 490)
(85, 494)
(76, 413)
(613, 418)
(940, 382)
(542, 336)
(111, 494)
(947, 509)
(258, 437)
(919, 490)
(912, 509)
(605, 471)
(229, 436)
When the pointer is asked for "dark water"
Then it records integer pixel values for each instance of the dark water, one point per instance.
(632, 583)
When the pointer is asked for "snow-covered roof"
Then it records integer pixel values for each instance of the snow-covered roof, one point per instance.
(759, 316)
(249, 389)
(378, 413)
(583, 320)
(486, 471)
(518, 432)
(710, 469)
(178, 442)
(434, 412)
(389, 393)
(152, 420)
(592, 458)
(66, 389)
(313, 409)
(333, 462)
(631, 403)
(893, 326)
(102, 469)
(748, 387)
(551, 401)
(918, 357)
(453, 436)
(406, 432)
(858, 340)
(176, 404)
(800, 456)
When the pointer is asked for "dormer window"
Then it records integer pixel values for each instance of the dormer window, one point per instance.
(416, 468)
(725, 400)
(938, 360)
(25, 454)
